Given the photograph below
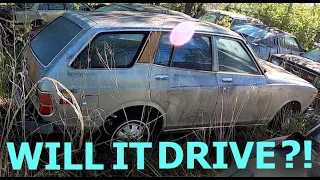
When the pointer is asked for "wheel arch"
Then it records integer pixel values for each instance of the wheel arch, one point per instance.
(139, 104)
(294, 102)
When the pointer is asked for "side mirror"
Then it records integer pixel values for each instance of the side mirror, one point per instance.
(301, 53)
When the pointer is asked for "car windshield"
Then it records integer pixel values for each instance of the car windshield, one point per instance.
(238, 22)
(255, 21)
(210, 17)
(251, 31)
(25, 5)
(214, 17)
(314, 54)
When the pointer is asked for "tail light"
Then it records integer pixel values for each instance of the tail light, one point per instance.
(46, 104)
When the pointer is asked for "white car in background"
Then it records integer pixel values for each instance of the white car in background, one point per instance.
(37, 13)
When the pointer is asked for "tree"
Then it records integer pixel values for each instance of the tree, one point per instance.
(188, 8)
(298, 19)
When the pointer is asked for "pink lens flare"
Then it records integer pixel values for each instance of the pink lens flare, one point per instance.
(182, 33)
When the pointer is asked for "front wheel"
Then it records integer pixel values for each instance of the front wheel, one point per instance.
(285, 114)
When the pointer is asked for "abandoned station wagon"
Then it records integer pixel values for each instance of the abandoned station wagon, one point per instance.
(122, 61)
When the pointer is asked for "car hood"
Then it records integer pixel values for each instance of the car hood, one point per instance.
(302, 61)
(276, 74)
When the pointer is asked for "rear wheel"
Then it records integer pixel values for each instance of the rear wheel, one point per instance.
(139, 124)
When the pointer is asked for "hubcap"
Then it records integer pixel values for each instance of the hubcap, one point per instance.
(131, 131)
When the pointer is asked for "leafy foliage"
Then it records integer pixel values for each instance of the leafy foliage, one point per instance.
(192, 9)
(300, 20)
(225, 22)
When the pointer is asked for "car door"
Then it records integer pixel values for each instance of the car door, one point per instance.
(243, 93)
(50, 11)
(108, 77)
(182, 82)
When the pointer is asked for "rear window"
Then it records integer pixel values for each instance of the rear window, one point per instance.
(52, 39)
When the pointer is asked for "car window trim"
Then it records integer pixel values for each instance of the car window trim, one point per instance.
(248, 51)
(97, 35)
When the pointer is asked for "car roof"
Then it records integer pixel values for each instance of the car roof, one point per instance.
(272, 31)
(147, 20)
(146, 7)
(228, 13)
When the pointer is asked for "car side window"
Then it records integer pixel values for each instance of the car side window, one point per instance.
(291, 43)
(233, 57)
(195, 54)
(56, 6)
(111, 51)
(43, 6)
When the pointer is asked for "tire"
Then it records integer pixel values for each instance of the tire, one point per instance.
(146, 130)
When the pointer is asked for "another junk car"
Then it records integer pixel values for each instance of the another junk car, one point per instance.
(266, 40)
(306, 66)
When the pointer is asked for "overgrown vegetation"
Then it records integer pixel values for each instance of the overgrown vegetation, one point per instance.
(298, 19)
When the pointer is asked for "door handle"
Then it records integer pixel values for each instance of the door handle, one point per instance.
(162, 77)
(227, 79)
